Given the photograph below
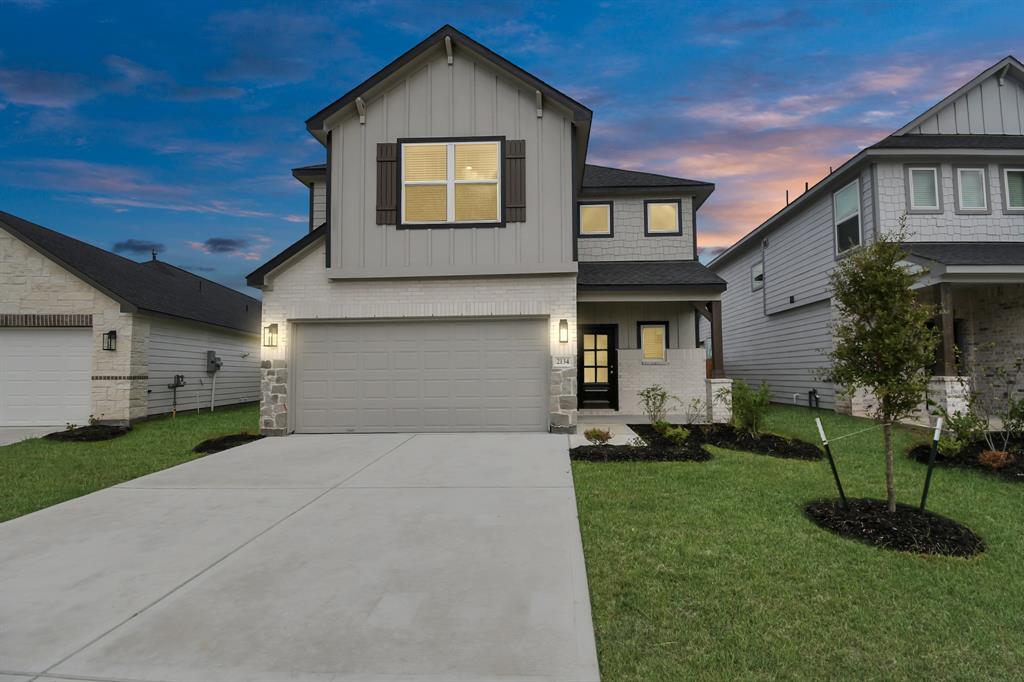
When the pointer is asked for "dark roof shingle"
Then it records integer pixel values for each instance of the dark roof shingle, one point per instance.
(153, 286)
(646, 273)
(969, 253)
(951, 142)
(599, 177)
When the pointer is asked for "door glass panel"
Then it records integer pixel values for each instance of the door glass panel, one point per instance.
(588, 341)
(588, 375)
(588, 358)
(595, 358)
(602, 375)
(602, 341)
(602, 358)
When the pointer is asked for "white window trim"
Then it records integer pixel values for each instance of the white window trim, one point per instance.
(910, 188)
(450, 183)
(754, 284)
(1006, 189)
(664, 344)
(835, 219)
(960, 188)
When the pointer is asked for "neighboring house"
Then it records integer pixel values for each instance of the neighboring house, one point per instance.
(86, 334)
(957, 173)
(463, 260)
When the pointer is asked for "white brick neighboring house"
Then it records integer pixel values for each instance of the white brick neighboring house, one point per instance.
(465, 269)
(957, 173)
(87, 334)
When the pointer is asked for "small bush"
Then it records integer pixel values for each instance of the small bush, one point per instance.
(597, 436)
(749, 407)
(950, 447)
(966, 427)
(996, 459)
(677, 434)
(654, 402)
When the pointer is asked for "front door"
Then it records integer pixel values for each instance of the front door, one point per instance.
(598, 360)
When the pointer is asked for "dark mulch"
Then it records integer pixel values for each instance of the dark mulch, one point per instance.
(968, 459)
(906, 530)
(727, 436)
(225, 442)
(658, 449)
(93, 432)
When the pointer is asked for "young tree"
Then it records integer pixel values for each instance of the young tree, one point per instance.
(883, 342)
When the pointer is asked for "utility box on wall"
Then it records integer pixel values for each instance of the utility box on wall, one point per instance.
(213, 363)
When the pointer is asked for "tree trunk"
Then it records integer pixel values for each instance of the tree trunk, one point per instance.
(890, 483)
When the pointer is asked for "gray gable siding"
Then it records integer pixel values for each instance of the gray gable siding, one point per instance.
(468, 98)
(987, 108)
(628, 241)
(319, 203)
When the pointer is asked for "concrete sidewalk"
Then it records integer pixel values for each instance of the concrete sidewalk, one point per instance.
(340, 557)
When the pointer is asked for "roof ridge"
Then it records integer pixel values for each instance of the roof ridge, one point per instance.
(164, 263)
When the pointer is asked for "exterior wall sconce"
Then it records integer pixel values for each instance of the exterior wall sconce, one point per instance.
(110, 340)
(270, 335)
(563, 331)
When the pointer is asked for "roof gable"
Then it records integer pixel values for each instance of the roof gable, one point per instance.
(992, 103)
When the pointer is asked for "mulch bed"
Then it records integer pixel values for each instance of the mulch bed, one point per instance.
(658, 449)
(225, 442)
(906, 530)
(968, 459)
(729, 437)
(93, 432)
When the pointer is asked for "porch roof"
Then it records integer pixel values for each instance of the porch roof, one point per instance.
(663, 273)
(968, 253)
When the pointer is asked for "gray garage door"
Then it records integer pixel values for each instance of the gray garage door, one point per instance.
(471, 375)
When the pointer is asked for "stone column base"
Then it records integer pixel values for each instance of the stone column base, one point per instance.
(274, 398)
(952, 394)
(719, 399)
(562, 398)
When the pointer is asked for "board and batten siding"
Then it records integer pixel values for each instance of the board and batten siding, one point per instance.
(628, 241)
(987, 108)
(466, 99)
(681, 330)
(177, 347)
(786, 349)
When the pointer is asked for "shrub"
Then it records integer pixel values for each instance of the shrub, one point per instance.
(696, 411)
(749, 407)
(654, 402)
(597, 436)
(950, 447)
(966, 427)
(677, 435)
(996, 459)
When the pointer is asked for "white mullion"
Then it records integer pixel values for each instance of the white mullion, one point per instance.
(450, 182)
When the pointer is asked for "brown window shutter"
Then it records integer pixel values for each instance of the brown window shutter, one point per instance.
(387, 183)
(515, 181)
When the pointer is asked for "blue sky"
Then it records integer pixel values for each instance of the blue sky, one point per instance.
(175, 125)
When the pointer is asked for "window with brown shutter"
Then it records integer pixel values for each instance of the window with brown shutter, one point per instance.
(515, 181)
(387, 183)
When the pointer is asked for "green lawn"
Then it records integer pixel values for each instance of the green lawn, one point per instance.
(711, 571)
(37, 473)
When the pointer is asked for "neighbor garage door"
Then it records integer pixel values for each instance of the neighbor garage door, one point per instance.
(45, 376)
(471, 375)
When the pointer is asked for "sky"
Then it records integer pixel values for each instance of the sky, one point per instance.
(174, 126)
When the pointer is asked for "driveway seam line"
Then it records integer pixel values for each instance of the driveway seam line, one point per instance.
(266, 530)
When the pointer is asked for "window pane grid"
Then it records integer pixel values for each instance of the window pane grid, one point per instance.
(972, 188)
(469, 177)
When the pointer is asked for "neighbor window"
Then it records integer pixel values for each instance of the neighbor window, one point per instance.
(653, 341)
(757, 276)
(924, 188)
(662, 217)
(596, 219)
(971, 194)
(1013, 182)
(846, 208)
(451, 182)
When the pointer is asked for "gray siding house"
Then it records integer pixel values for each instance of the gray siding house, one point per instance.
(465, 269)
(957, 173)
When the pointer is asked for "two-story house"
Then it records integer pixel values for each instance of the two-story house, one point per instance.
(466, 270)
(957, 173)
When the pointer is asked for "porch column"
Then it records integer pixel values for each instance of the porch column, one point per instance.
(717, 367)
(947, 348)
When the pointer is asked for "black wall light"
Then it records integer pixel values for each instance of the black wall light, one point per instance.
(563, 331)
(110, 340)
(270, 335)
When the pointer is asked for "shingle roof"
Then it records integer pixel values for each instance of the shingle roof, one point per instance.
(969, 253)
(153, 286)
(646, 273)
(597, 177)
(951, 142)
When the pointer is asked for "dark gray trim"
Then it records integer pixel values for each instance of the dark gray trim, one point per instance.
(256, 277)
(959, 210)
(308, 174)
(327, 202)
(1006, 190)
(679, 217)
(908, 188)
(652, 323)
(502, 186)
(693, 210)
(611, 219)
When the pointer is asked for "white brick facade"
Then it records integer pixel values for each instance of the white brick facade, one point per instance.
(629, 241)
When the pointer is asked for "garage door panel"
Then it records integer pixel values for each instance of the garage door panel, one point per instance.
(414, 376)
(45, 376)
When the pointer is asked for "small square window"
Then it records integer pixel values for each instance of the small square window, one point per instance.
(653, 341)
(596, 219)
(757, 276)
(1013, 182)
(662, 217)
(923, 189)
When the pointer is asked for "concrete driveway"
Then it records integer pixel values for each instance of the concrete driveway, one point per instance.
(344, 557)
(16, 434)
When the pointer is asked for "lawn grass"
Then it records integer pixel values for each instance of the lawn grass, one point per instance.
(711, 571)
(37, 473)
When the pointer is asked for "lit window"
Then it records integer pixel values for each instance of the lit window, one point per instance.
(452, 182)
(846, 208)
(757, 276)
(662, 217)
(1013, 181)
(596, 219)
(653, 341)
(924, 189)
(971, 194)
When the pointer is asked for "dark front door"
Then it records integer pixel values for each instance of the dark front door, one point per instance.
(599, 380)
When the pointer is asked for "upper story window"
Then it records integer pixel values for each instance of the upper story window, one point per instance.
(1013, 190)
(596, 219)
(451, 182)
(757, 276)
(662, 217)
(971, 189)
(846, 211)
(923, 189)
